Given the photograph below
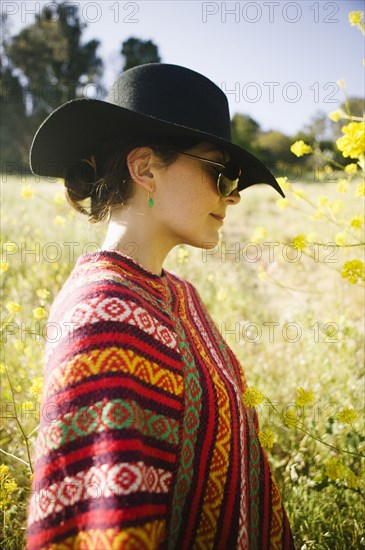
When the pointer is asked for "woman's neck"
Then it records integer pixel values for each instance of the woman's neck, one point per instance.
(129, 234)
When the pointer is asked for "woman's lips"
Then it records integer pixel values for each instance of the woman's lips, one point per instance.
(219, 218)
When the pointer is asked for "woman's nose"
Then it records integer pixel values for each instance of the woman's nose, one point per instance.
(233, 198)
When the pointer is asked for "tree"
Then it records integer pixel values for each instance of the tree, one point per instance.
(13, 141)
(13, 130)
(48, 60)
(354, 106)
(319, 127)
(137, 52)
(274, 149)
(245, 131)
(56, 64)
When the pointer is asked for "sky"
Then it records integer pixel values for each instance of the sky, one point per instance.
(277, 61)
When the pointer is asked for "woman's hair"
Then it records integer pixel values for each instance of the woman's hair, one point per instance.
(102, 182)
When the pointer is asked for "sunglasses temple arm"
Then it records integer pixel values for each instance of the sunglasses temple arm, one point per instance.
(213, 162)
(199, 158)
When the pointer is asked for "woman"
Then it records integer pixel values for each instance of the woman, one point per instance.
(145, 441)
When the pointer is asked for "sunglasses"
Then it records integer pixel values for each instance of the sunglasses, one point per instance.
(227, 179)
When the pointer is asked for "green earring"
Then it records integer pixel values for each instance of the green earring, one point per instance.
(150, 200)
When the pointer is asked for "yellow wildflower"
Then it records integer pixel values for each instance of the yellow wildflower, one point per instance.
(2, 367)
(7, 486)
(284, 183)
(335, 468)
(299, 148)
(4, 470)
(341, 239)
(336, 115)
(357, 222)
(11, 485)
(222, 294)
(39, 313)
(27, 192)
(342, 186)
(290, 418)
(323, 201)
(18, 345)
(59, 198)
(42, 293)
(304, 397)
(37, 386)
(59, 220)
(262, 275)
(352, 480)
(360, 192)
(311, 237)
(266, 438)
(346, 416)
(13, 307)
(355, 17)
(341, 83)
(352, 144)
(252, 397)
(28, 352)
(336, 206)
(182, 255)
(9, 246)
(351, 168)
(299, 193)
(282, 203)
(317, 214)
(299, 242)
(4, 266)
(258, 234)
(18, 388)
(353, 271)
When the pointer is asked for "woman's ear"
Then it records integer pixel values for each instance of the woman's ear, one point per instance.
(139, 166)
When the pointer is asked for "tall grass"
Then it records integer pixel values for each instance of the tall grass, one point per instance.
(291, 324)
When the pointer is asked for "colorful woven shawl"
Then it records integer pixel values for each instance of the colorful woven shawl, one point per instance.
(144, 441)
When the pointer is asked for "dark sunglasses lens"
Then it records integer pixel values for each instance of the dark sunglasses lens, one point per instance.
(226, 186)
(228, 179)
(231, 170)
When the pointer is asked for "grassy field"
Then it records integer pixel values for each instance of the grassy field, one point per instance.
(290, 317)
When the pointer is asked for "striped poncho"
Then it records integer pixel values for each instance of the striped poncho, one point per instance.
(145, 442)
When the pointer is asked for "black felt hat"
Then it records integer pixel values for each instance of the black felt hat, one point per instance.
(156, 101)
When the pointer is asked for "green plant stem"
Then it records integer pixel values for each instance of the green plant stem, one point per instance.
(308, 432)
(34, 430)
(353, 117)
(326, 217)
(14, 456)
(286, 289)
(18, 421)
(340, 245)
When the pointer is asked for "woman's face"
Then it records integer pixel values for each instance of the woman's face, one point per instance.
(187, 204)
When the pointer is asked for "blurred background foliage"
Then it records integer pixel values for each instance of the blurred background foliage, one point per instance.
(48, 63)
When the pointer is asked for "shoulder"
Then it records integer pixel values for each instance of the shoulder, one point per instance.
(179, 282)
(106, 295)
(98, 279)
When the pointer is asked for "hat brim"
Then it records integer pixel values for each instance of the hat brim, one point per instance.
(76, 129)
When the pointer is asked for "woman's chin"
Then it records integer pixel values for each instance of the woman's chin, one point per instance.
(206, 241)
(209, 243)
